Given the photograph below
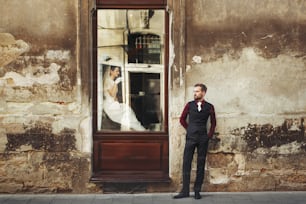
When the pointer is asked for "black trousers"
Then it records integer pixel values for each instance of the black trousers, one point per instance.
(192, 142)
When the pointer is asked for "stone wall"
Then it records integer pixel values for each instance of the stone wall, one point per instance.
(251, 55)
(43, 122)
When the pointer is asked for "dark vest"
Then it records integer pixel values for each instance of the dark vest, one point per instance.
(197, 124)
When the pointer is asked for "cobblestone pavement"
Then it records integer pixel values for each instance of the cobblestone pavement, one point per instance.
(157, 198)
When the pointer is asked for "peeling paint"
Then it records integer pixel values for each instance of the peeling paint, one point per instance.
(10, 48)
(60, 55)
(51, 68)
(196, 59)
(6, 39)
(44, 76)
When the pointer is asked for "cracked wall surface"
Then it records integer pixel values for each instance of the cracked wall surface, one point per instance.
(43, 123)
(250, 54)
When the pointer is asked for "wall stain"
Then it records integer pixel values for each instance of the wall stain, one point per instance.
(40, 137)
(267, 136)
(269, 37)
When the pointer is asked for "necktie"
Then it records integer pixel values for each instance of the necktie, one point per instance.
(199, 106)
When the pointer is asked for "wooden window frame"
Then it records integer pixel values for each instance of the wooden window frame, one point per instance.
(115, 4)
(149, 139)
(131, 3)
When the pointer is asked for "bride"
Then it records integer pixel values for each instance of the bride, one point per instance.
(117, 112)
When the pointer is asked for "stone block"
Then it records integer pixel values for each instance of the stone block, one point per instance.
(84, 141)
(3, 140)
(219, 160)
(58, 55)
(177, 101)
(274, 164)
(289, 161)
(45, 108)
(14, 108)
(42, 172)
(260, 183)
(6, 39)
(292, 181)
(228, 187)
(258, 162)
(228, 144)
(218, 176)
(243, 184)
(10, 187)
(3, 104)
(297, 178)
(156, 188)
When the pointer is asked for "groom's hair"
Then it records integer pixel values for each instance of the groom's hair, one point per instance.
(203, 87)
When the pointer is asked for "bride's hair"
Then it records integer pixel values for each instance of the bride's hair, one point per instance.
(108, 69)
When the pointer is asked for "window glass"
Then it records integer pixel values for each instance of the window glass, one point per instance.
(130, 71)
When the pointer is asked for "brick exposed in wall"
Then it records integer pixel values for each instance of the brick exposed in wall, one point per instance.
(45, 172)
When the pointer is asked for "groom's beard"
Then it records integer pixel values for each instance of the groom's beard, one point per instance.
(197, 97)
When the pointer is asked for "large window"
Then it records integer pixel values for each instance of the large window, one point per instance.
(130, 70)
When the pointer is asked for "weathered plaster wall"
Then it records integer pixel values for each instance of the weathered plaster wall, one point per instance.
(251, 55)
(43, 122)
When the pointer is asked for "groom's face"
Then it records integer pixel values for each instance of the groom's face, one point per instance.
(198, 94)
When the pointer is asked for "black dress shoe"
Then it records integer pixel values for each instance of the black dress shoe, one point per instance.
(181, 195)
(197, 195)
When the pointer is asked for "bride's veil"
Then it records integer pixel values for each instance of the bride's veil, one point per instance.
(106, 74)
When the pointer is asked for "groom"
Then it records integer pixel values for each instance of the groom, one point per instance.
(198, 111)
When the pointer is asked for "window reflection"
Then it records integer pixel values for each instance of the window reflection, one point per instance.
(130, 70)
(144, 48)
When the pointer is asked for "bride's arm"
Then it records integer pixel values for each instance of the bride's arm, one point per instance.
(113, 91)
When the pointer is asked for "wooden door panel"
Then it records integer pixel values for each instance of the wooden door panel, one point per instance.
(142, 159)
(130, 156)
(131, 2)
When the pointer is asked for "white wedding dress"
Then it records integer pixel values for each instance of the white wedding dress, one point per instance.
(119, 112)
